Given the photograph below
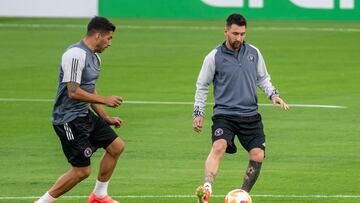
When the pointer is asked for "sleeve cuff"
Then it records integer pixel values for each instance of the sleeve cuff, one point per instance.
(198, 112)
(274, 93)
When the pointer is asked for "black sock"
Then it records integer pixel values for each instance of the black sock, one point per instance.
(251, 175)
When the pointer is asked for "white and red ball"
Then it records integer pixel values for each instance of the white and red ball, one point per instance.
(238, 196)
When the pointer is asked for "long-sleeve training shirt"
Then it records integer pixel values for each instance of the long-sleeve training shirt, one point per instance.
(235, 76)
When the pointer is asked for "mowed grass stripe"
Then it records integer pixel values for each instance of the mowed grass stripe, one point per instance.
(155, 27)
(339, 196)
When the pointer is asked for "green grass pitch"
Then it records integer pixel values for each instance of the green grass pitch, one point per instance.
(312, 153)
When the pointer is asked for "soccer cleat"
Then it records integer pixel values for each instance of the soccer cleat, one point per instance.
(203, 194)
(107, 199)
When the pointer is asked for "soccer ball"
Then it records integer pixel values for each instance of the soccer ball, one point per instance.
(238, 196)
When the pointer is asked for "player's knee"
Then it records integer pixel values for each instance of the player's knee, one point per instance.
(120, 148)
(82, 173)
(257, 154)
(219, 147)
(117, 148)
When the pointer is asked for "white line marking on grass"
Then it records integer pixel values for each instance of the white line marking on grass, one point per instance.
(175, 103)
(192, 196)
(25, 100)
(269, 105)
(20, 25)
(159, 27)
(254, 28)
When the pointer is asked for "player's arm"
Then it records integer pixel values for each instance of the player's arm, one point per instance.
(264, 82)
(77, 93)
(100, 111)
(205, 77)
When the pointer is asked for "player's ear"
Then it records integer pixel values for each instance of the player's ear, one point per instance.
(226, 30)
(97, 35)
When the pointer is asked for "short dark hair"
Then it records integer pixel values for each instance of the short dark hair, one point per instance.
(235, 18)
(99, 24)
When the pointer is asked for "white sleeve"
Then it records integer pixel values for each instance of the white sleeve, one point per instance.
(72, 64)
(263, 78)
(205, 77)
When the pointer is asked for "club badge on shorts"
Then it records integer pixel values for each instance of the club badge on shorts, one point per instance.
(219, 132)
(88, 152)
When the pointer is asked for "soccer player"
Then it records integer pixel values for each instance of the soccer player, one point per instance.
(235, 68)
(80, 130)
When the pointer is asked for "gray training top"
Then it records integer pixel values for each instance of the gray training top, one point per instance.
(235, 76)
(78, 64)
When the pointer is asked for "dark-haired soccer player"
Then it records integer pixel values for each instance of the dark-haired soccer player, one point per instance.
(235, 68)
(80, 130)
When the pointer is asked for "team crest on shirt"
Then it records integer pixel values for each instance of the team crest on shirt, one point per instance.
(219, 132)
(251, 58)
(88, 152)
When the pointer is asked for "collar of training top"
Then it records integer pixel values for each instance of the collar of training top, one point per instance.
(228, 51)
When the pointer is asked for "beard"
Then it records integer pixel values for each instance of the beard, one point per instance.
(235, 45)
(100, 49)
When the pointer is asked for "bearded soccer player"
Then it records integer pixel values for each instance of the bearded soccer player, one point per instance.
(79, 118)
(236, 69)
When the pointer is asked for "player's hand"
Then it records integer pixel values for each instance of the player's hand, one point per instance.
(198, 122)
(278, 100)
(113, 101)
(115, 121)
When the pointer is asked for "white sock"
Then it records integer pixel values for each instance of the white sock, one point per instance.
(46, 198)
(101, 188)
(207, 185)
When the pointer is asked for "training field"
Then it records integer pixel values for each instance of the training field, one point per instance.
(312, 151)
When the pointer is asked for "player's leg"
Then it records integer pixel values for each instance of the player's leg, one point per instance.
(107, 166)
(213, 160)
(256, 157)
(68, 180)
(252, 138)
(109, 159)
(78, 150)
(212, 164)
(222, 137)
(103, 136)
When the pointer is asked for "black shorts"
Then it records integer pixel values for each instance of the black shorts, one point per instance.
(81, 137)
(249, 131)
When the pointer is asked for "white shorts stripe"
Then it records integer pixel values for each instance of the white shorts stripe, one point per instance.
(68, 131)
